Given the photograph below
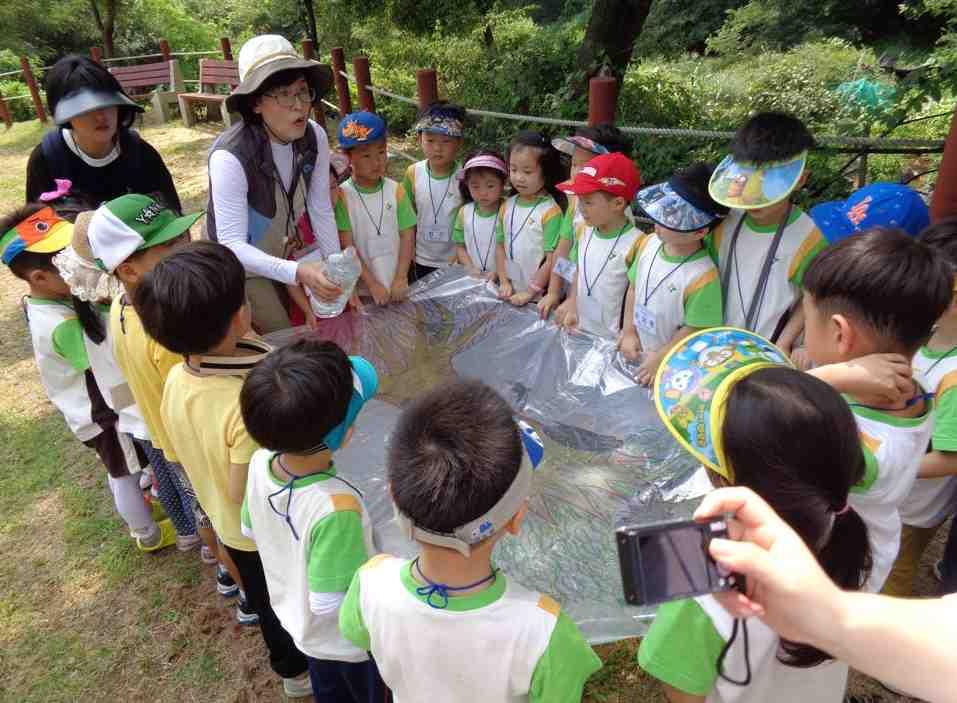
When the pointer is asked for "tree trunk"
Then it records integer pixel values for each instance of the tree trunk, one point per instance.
(610, 39)
(105, 22)
(311, 23)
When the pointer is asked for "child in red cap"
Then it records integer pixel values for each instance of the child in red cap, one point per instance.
(597, 266)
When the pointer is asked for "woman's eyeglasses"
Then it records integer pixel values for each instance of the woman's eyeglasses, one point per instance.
(306, 96)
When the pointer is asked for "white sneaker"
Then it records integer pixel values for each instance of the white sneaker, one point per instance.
(298, 687)
(936, 569)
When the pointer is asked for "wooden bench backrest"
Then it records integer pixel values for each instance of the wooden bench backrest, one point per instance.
(214, 73)
(146, 75)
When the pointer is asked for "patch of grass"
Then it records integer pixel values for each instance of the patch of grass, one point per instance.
(200, 670)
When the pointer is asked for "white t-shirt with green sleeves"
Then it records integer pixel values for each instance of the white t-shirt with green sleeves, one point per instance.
(360, 211)
(687, 636)
(61, 357)
(436, 201)
(893, 449)
(931, 500)
(801, 241)
(528, 229)
(676, 291)
(475, 230)
(504, 644)
(602, 262)
(335, 539)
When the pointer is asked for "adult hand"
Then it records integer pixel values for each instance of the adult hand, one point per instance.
(311, 275)
(786, 587)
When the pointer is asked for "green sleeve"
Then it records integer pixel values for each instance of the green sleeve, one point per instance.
(945, 422)
(703, 305)
(567, 230)
(682, 647)
(500, 225)
(805, 255)
(68, 343)
(458, 229)
(343, 223)
(405, 209)
(564, 666)
(408, 185)
(244, 514)
(551, 226)
(573, 254)
(710, 243)
(633, 269)
(350, 617)
(871, 472)
(336, 551)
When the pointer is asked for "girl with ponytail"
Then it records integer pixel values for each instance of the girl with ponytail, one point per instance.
(793, 440)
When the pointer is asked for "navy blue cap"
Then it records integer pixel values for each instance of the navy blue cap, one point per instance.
(358, 128)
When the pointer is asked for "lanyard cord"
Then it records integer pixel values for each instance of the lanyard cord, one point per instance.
(747, 654)
(288, 486)
(668, 275)
(442, 590)
(511, 226)
(594, 233)
(378, 227)
(290, 197)
(448, 185)
(934, 365)
(909, 404)
(488, 250)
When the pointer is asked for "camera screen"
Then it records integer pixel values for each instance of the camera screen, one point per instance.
(674, 563)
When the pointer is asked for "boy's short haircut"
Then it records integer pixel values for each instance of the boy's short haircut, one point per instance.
(941, 236)
(443, 108)
(454, 453)
(885, 279)
(297, 395)
(770, 136)
(608, 135)
(27, 261)
(187, 302)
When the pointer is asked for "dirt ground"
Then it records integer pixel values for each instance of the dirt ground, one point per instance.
(83, 615)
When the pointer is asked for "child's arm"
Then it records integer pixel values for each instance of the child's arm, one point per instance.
(651, 362)
(792, 330)
(554, 294)
(379, 293)
(942, 461)
(938, 464)
(505, 288)
(536, 285)
(462, 256)
(877, 379)
(675, 696)
(629, 343)
(236, 486)
(400, 284)
(566, 315)
(299, 297)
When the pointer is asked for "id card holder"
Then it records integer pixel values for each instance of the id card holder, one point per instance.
(590, 314)
(565, 269)
(514, 272)
(437, 233)
(379, 246)
(645, 319)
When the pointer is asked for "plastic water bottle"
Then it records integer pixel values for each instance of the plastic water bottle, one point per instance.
(342, 269)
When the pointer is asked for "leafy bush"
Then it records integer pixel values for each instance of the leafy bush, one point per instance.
(671, 30)
(20, 110)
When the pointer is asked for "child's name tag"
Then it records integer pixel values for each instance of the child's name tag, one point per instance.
(379, 246)
(645, 319)
(591, 317)
(437, 233)
(565, 269)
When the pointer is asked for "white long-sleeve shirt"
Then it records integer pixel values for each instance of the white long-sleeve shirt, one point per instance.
(230, 189)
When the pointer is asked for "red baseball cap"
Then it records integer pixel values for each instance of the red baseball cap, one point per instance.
(612, 173)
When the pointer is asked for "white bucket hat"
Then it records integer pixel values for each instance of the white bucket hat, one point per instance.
(262, 56)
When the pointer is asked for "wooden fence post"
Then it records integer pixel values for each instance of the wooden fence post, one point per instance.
(426, 87)
(96, 53)
(308, 49)
(165, 50)
(34, 90)
(342, 83)
(227, 48)
(5, 113)
(360, 65)
(602, 99)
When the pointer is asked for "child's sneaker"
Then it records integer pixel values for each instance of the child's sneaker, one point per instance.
(936, 568)
(206, 555)
(224, 583)
(298, 687)
(185, 543)
(146, 478)
(163, 536)
(244, 614)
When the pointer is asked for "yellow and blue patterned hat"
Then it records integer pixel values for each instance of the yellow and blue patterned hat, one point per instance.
(747, 186)
(695, 379)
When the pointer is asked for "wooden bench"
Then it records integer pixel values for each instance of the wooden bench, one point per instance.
(212, 75)
(157, 83)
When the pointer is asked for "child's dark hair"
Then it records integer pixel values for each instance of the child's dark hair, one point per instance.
(941, 236)
(464, 183)
(279, 79)
(26, 261)
(609, 136)
(549, 158)
(75, 72)
(886, 280)
(297, 395)
(454, 452)
(443, 108)
(188, 301)
(770, 136)
(792, 439)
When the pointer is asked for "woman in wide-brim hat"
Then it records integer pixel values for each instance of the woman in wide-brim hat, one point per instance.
(269, 178)
(93, 145)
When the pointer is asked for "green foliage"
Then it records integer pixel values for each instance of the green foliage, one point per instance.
(20, 110)
(671, 30)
